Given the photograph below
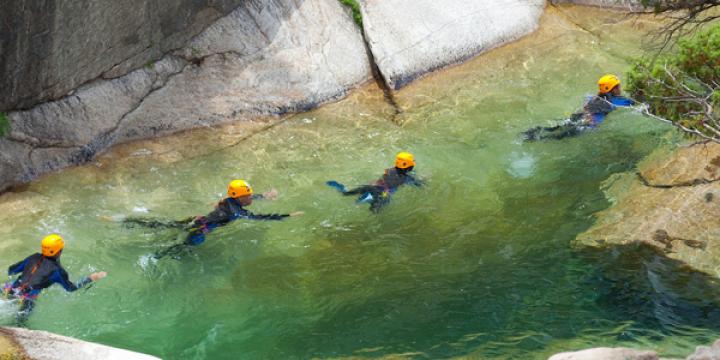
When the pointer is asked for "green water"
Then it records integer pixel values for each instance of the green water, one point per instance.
(478, 263)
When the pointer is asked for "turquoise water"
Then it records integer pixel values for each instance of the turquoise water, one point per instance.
(477, 264)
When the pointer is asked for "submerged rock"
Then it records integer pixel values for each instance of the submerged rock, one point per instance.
(410, 38)
(670, 205)
(22, 344)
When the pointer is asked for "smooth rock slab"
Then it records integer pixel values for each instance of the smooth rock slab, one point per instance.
(607, 354)
(52, 47)
(42, 345)
(410, 38)
(264, 58)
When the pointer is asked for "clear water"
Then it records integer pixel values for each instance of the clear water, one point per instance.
(479, 263)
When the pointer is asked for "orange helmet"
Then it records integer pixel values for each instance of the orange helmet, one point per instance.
(404, 160)
(607, 83)
(52, 244)
(239, 188)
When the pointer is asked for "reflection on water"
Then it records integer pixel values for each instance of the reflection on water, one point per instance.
(477, 263)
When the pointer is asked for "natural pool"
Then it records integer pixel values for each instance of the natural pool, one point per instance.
(477, 264)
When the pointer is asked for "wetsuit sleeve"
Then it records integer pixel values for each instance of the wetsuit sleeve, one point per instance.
(60, 276)
(622, 101)
(18, 268)
(266, 216)
(412, 180)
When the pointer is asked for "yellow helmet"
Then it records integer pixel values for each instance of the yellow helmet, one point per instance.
(52, 244)
(607, 83)
(404, 160)
(238, 188)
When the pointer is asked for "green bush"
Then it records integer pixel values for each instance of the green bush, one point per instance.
(4, 124)
(675, 85)
(355, 7)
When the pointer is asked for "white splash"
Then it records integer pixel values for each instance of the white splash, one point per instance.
(146, 260)
(522, 165)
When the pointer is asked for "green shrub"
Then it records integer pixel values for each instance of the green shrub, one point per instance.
(676, 85)
(4, 124)
(355, 7)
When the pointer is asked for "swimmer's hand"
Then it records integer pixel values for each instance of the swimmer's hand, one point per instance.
(270, 195)
(97, 276)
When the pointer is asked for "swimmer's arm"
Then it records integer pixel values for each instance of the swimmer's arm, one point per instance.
(61, 277)
(268, 195)
(272, 216)
(252, 216)
(412, 180)
(17, 268)
(622, 101)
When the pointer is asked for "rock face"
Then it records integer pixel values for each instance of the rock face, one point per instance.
(52, 47)
(671, 204)
(42, 345)
(264, 58)
(607, 354)
(409, 38)
(706, 352)
(135, 69)
(632, 5)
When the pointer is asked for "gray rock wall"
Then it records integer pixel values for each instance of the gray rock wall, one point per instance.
(410, 38)
(266, 57)
(50, 47)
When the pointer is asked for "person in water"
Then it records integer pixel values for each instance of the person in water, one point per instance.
(379, 193)
(39, 271)
(240, 195)
(592, 115)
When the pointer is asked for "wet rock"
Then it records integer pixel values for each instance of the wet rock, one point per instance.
(687, 166)
(410, 38)
(706, 352)
(607, 354)
(666, 206)
(42, 345)
(52, 47)
(264, 58)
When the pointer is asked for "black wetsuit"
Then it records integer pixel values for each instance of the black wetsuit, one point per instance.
(226, 211)
(379, 194)
(594, 112)
(38, 273)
